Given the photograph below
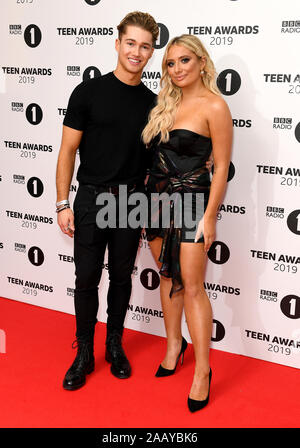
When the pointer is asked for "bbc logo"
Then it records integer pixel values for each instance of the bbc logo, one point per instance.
(265, 292)
(275, 209)
(282, 120)
(291, 23)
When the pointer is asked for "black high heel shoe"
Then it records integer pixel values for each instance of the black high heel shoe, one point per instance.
(196, 405)
(167, 372)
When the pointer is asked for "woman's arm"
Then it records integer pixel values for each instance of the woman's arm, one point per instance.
(220, 125)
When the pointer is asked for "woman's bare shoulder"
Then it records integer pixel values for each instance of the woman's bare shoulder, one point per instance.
(217, 106)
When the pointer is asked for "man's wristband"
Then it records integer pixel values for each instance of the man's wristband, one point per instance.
(64, 202)
(64, 207)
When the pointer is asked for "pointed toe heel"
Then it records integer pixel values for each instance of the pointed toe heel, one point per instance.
(196, 405)
(162, 372)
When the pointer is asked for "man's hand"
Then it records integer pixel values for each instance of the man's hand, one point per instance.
(65, 220)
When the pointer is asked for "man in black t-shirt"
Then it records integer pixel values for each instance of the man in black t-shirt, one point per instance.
(105, 118)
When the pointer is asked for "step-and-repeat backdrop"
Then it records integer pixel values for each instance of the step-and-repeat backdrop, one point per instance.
(252, 278)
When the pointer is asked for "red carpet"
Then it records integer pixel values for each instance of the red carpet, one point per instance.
(245, 393)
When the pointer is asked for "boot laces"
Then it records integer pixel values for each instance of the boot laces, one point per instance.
(83, 347)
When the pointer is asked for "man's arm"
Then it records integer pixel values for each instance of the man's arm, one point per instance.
(65, 167)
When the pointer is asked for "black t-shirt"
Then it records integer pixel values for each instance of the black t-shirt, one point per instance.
(111, 115)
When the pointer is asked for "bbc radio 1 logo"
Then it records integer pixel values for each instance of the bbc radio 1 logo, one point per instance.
(33, 112)
(219, 252)
(36, 256)
(163, 36)
(32, 36)
(229, 82)
(35, 186)
(150, 279)
(90, 72)
(290, 306)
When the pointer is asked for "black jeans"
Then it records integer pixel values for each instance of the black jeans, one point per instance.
(90, 243)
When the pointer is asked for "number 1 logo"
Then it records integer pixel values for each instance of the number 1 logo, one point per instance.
(229, 82)
(90, 73)
(35, 187)
(32, 36)
(290, 306)
(150, 279)
(36, 256)
(219, 252)
(34, 114)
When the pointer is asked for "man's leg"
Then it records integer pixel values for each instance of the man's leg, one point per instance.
(89, 248)
(122, 250)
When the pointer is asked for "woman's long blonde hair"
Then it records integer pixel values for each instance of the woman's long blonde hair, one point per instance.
(161, 117)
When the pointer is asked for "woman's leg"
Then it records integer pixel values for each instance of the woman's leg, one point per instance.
(198, 314)
(172, 310)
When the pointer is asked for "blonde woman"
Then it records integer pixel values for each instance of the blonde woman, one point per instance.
(190, 121)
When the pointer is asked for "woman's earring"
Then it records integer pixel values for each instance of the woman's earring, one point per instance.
(202, 72)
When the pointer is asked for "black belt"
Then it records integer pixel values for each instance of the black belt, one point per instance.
(114, 189)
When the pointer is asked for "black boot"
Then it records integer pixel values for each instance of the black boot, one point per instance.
(83, 364)
(114, 354)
